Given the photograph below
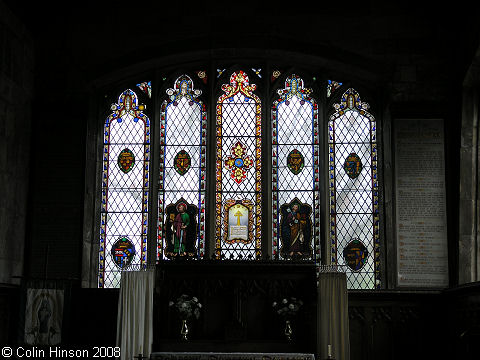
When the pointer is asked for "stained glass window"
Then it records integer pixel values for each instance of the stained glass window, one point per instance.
(238, 170)
(257, 72)
(332, 86)
(353, 192)
(182, 158)
(300, 159)
(202, 74)
(275, 75)
(295, 173)
(125, 176)
(146, 87)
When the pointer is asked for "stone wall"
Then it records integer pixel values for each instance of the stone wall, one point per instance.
(417, 58)
(16, 89)
(469, 247)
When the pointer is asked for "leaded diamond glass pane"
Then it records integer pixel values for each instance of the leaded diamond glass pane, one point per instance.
(295, 119)
(295, 173)
(185, 115)
(125, 194)
(353, 189)
(238, 174)
(182, 166)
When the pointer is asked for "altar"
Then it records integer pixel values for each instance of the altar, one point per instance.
(229, 356)
(234, 310)
(237, 313)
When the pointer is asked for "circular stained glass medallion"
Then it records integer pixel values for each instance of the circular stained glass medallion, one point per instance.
(295, 161)
(353, 166)
(126, 160)
(123, 252)
(182, 162)
(238, 162)
(355, 255)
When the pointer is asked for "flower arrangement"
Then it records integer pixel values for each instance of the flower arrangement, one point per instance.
(187, 307)
(287, 307)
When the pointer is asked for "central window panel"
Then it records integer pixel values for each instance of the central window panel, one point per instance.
(238, 194)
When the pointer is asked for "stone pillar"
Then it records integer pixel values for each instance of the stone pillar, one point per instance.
(468, 246)
(16, 89)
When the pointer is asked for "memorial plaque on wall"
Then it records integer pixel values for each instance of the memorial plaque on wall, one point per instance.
(421, 221)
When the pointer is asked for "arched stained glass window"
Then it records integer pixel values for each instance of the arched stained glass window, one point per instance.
(238, 170)
(181, 198)
(353, 192)
(314, 171)
(295, 173)
(124, 212)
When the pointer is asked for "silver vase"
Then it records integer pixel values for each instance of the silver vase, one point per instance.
(184, 331)
(288, 330)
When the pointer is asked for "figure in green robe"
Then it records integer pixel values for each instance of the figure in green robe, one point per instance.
(180, 224)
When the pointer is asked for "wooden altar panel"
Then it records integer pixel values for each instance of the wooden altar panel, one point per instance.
(237, 314)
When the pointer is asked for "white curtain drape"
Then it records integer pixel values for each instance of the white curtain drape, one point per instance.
(135, 313)
(333, 323)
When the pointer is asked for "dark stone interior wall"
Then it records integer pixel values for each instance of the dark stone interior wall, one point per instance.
(16, 87)
(418, 56)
